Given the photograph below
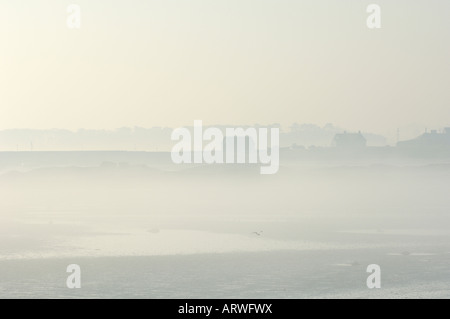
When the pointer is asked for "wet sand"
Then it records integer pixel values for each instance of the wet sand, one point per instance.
(277, 274)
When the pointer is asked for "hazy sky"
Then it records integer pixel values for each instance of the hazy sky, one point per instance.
(166, 63)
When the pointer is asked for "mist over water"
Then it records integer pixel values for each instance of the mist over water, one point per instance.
(155, 229)
(111, 110)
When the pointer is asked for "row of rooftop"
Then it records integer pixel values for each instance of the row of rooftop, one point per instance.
(432, 139)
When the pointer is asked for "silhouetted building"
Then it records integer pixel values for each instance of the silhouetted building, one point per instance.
(349, 141)
(432, 140)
